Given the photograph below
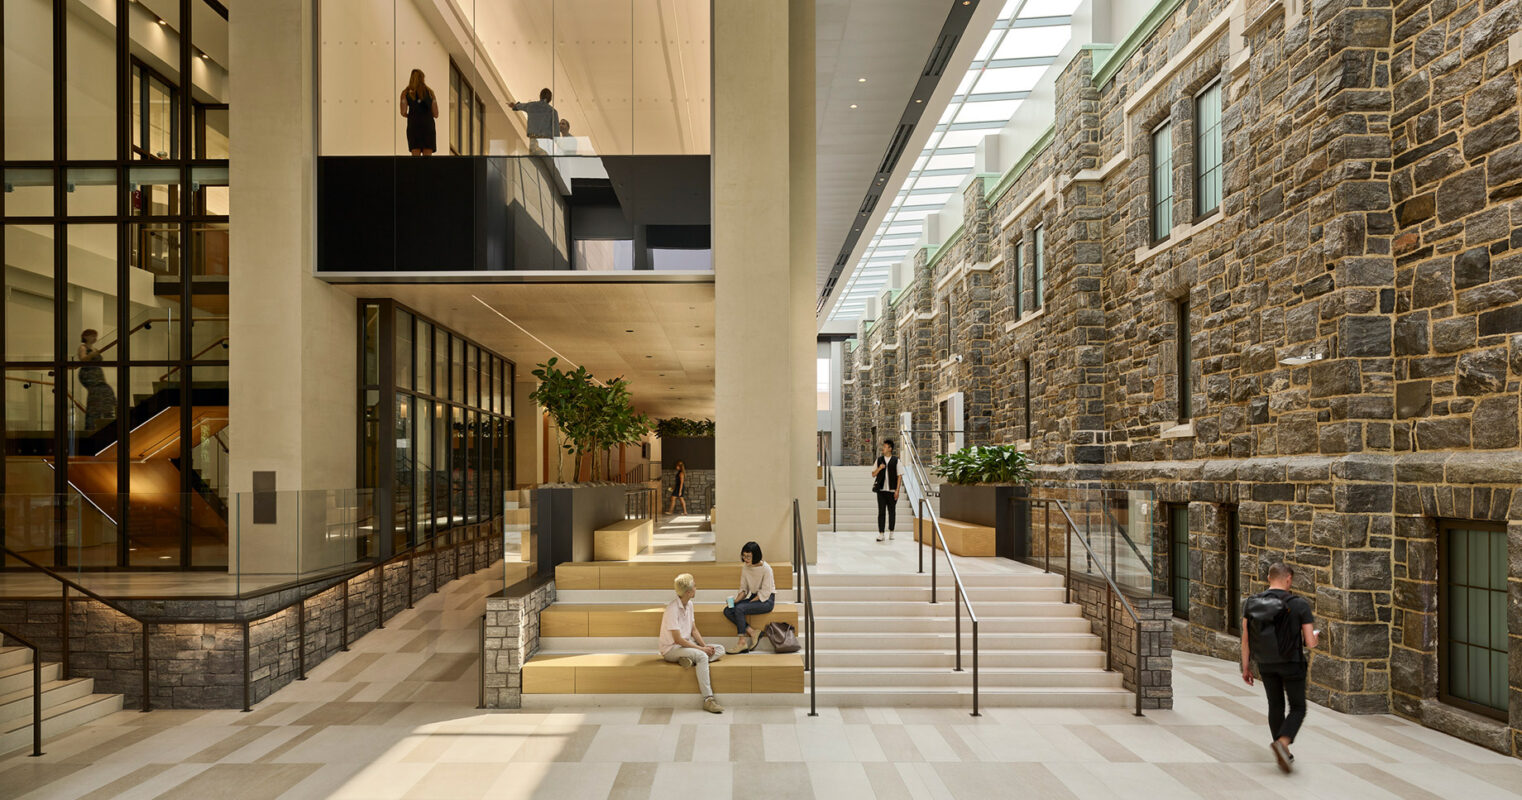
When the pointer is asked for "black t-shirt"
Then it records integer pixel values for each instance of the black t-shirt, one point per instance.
(1299, 615)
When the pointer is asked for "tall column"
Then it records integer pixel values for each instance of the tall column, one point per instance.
(764, 444)
(803, 340)
(293, 359)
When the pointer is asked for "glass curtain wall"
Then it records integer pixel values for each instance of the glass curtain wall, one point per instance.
(115, 224)
(444, 404)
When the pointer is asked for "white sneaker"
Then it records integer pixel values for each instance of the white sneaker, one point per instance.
(880, 537)
(890, 536)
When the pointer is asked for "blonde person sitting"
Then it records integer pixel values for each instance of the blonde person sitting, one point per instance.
(681, 642)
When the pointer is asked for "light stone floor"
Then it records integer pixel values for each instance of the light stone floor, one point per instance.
(396, 718)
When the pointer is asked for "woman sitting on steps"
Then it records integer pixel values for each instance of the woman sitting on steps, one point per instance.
(757, 595)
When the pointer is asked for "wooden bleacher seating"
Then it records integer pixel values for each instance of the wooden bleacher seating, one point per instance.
(637, 673)
(962, 538)
(640, 619)
(657, 575)
(622, 540)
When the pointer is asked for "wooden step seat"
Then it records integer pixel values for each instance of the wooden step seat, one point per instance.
(962, 538)
(516, 516)
(636, 673)
(658, 575)
(622, 540)
(640, 619)
(824, 516)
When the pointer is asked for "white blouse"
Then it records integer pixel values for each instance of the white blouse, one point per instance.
(757, 579)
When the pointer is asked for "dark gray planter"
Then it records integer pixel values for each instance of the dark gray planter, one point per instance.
(695, 452)
(991, 505)
(566, 520)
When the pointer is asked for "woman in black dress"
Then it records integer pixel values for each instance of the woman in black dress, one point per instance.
(420, 108)
(678, 489)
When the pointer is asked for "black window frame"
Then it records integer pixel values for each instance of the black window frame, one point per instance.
(1443, 605)
(1184, 369)
(1216, 172)
(1233, 570)
(1160, 176)
(1030, 425)
(1178, 568)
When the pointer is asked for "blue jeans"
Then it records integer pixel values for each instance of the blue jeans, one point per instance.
(742, 609)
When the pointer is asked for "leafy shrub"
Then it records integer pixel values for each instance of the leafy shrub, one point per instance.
(679, 427)
(1000, 463)
(590, 415)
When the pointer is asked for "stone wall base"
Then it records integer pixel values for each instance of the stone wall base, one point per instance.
(512, 638)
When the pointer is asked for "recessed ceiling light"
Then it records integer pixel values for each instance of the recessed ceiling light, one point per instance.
(853, 105)
(917, 100)
(861, 80)
(649, 356)
(164, 22)
(629, 330)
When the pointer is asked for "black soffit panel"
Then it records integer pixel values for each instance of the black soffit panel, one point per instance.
(935, 67)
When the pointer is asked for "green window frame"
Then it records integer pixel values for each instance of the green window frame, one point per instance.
(1162, 181)
(1207, 151)
(1472, 635)
(1178, 558)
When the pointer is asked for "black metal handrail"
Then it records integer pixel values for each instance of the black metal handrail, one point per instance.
(801, 570)
(1112, 591)
(959, 597)
(36, 688)
(340, 579)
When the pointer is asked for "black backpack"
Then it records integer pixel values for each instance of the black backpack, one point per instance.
(1269, 635)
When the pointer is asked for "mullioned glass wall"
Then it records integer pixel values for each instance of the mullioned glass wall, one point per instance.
(115, 234)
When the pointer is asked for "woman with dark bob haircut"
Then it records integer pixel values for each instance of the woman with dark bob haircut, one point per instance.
(757, 595)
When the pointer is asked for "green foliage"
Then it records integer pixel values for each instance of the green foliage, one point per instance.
(589, 416)
(675, 427)
(1000, 463)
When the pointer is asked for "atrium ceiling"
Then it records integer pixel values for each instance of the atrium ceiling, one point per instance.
(1016, 49)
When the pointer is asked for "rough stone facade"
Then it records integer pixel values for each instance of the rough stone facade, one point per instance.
(201, 664)
(512, 638)
(1354, 323)
(699, 482)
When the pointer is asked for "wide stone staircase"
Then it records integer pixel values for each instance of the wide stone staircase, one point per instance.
(856, 503)
(600, 637)
(67, 703)
(882, 643)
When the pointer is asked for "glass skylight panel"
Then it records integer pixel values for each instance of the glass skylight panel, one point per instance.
(1011, 7)
(951, 161)
(986, 49)
(998, 111)
(966, 84)
(939, 181)
(1047, 8)
(1033, 42)
(1010, 79)
(965, 138)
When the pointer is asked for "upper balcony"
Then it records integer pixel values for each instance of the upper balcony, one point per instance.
(506, 217)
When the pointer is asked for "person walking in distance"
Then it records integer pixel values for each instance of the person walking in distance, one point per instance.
(885, 482)
(1276, 626)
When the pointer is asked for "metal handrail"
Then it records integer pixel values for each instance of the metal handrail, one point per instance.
(959, 597)
(339, 578)
(801, 568)
(36, 688)
(1113, 591)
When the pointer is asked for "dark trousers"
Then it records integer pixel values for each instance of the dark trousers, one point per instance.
(887, 511)
(748, 608)
(1280, 681)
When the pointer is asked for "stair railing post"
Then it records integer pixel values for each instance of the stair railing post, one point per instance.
(1046, 525)
(481, 671)
(37, 702)
(956, 600)
(380, 596)
(63, 625)
(247, 672)
(345, 639)
(975, 669)
(411, 557)
(301, 640)
(1067, 579)
(147, 703)
(1110, 651)
(919, 534)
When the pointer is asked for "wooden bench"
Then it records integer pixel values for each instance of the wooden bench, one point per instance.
(658, 575)
(636, 619)
(622, 540)
(962, 538)
(635, 673)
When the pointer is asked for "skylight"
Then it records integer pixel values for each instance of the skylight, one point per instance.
(1017, 51)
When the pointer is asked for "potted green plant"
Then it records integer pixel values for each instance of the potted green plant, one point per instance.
(590, 416)
(982, 483)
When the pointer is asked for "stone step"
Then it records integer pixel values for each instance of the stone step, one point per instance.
(927, 659)
(17, 705)
(993, 697)
(57, 719)
(986, 611)
(19, 678)
(887, 627)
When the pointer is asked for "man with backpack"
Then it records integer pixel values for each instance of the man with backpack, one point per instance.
(1275, 625)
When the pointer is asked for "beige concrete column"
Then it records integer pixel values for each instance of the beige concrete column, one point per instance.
(762, 456)
(528, 428)
(294, 338)
(803, 343)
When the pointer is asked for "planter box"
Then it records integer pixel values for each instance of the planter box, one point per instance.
(566, 522)
(693, 451)
(987, 504)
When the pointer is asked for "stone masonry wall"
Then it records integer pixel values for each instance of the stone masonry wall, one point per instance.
(698, 483)
(200, 664)
(1354, 320)
(512, 638)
